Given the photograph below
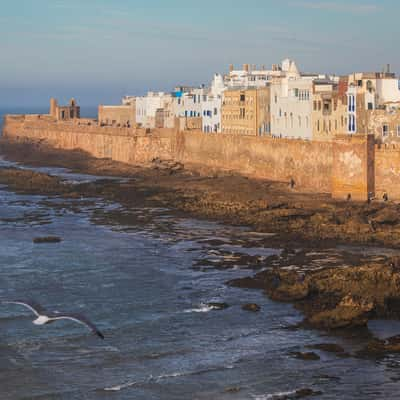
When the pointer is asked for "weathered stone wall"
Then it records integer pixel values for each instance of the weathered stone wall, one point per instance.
(353, 173)
(387, 171)
(128, 145)
(345, 165)
(308, 163)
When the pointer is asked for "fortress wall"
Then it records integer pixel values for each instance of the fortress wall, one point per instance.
(128, 145)
(341, 166)
(308, 163)
(387, 171)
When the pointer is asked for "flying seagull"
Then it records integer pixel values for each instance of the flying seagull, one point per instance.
(43, 319)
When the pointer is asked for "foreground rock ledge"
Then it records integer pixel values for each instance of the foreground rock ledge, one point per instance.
(334, 298)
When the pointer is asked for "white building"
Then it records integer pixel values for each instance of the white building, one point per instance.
(211, 107)
(151, 105)
(369, 91)
(188, 101)
(291, 103)
(250, 76)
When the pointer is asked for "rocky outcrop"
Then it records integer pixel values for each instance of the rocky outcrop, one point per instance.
(334, 298)
(47, 239)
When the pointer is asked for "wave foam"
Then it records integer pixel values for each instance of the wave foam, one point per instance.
(201, 309)
(164, 376)
(276, 396)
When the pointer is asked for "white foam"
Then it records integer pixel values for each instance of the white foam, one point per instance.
(203, 308)
(165, 376)
(275, 396)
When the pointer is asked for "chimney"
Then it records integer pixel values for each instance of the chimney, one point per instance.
(230, 67)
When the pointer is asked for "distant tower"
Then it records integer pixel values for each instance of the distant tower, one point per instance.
(53, 107)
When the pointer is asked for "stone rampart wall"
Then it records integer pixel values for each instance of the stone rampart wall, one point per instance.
(344, 165)
(387, 171)
(308, 163)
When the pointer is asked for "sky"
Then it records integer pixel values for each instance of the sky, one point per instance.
(99, 50)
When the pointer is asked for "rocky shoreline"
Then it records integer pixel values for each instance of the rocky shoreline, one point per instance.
(264, 205)
(340, 295)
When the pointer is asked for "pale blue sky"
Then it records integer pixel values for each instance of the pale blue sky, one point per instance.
(99, 50)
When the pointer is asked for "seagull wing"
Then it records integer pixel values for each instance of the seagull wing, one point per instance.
(80, 319)
(36, 308)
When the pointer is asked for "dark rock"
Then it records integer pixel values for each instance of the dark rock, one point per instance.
(328, 347)
(306, 392)
(387, 216)
(233, 390)
(47, 239)
(307, 356)
(251, 307)
(378, 348)
(247, 283)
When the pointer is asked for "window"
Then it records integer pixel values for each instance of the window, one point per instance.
(370, 106)
(359, 83)
(398, 130)
(242, 97)
(385, 130)
(315, 105)
(215, 111)
(319, 106)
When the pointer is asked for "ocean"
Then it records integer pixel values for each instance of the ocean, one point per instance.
(147, 287)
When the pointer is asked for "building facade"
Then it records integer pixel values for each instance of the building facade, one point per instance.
(246, 111)
(329, 112)
(154, 108)
(119, 115)
(369, 96)
(212, 106)
(64, 113)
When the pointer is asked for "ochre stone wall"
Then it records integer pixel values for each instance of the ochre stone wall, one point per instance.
(348, 164)
(387, 171)
(353, 173)
(308, 163)
(130, 145)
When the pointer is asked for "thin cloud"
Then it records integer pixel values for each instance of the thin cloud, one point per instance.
(338, 7)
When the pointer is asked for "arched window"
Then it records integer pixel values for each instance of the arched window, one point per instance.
(291, 120)
(299, 121)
